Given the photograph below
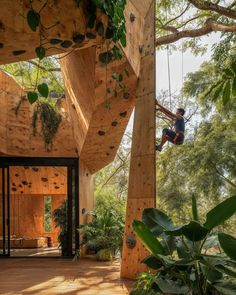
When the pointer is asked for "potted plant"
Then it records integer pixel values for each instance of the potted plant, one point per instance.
(104, 235)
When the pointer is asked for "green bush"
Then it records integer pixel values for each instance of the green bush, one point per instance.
(180, 254)
(105, 232)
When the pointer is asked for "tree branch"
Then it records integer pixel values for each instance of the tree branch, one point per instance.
(43, 68)
(225, 178)
(209, 27)
(203, 5)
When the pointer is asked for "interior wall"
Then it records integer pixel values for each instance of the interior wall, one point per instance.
(27, 216)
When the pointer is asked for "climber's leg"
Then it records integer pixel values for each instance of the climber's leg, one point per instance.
(167, 135)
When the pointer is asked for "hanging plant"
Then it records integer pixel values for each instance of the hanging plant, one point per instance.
(50, 120)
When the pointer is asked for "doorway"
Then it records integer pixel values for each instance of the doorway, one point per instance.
(34, 193)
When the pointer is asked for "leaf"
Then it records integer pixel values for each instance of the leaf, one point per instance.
(33, 19)
(152, 262)
(168, 243)
(217, 92)
(66, 44)
(43, 89)
(228, 244)
(194, 208)
(183, 249)
(32, 97)
(233, 89)
(211, 274)
(147, 238)
(120, 77)
(123, 40)
(228, 72)
(105, 57)
(55, 41)
(226, 92)
(116, 52)
(220, 213)
(171, 287)
(18, 52)
(40, 52)
(115, 76)
(226, 270)
(192, 231)
(156, 221)
(226, 288)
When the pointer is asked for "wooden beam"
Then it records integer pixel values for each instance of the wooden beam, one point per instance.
(142, 178)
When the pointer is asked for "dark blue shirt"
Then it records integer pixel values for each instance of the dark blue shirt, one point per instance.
(179, 125)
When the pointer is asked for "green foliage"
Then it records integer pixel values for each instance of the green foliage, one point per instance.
(33, 19)
(47, 213)
(105, 232)
(32, 97)
(43, 89)
(60, 219)
(183, 267)
(50, 120)
(115, 30)
(225, 86)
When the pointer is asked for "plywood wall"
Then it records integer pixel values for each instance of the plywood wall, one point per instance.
(16, 130)
(141, 190)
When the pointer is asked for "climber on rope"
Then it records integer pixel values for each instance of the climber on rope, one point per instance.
(176, 136)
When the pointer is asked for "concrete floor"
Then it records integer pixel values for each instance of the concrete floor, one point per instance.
(61, 276)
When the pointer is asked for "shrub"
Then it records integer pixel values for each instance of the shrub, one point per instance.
(180, 254)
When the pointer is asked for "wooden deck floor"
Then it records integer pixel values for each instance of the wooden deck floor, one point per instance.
(60, 276)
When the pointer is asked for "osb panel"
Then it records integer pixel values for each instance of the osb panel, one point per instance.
(18, 134)
(62, 17)
(131, 258)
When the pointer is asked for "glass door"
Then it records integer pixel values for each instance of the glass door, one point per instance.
(4, 211)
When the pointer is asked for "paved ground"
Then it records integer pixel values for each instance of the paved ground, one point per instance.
(60, 276)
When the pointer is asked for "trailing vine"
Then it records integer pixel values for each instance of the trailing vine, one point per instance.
(113, 30)
(17, 107)
(50, 120)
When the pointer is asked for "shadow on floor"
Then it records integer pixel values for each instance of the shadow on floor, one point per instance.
(61, 276)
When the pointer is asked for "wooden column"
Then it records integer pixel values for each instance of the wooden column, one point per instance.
(142, 180)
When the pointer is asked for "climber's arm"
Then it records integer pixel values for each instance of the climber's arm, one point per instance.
(166, 112)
